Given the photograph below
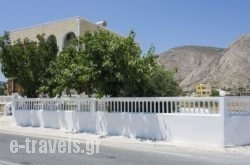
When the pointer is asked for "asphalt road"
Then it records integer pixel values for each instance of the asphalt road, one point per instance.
(117, 155)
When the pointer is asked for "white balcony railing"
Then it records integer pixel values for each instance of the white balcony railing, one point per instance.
(5, 99)
(238, 105)
(160, 105)
(193, 105)
(54, 104)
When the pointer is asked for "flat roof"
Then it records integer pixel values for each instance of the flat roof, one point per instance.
(52, 22)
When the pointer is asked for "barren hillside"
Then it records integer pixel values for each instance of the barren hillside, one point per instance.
(233, 70)
(222, 68)
(194, 63)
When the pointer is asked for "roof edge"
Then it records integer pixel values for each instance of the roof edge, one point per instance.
(50, 22)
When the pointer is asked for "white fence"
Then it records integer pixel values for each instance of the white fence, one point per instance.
(211, 120)
(193, 105)
(238, 106)
(67, 104)
(5, 99)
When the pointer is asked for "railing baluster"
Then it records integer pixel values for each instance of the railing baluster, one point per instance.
(166, 105)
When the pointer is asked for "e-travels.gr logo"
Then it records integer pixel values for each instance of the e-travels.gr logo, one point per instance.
(52, 146)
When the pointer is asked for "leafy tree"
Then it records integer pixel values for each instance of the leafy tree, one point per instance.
(104, 63)
(117, 65)
(162, 83)
(71, 70)
(27, 62)
(2, 89)
(214, 92)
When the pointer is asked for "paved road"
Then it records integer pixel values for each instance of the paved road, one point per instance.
(127, 155)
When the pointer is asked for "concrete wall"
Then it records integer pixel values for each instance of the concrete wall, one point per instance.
(180, 128)
(228, 126)
(237, 130)
(236, 121)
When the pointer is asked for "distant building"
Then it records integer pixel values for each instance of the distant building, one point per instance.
(61, 30)
(237, 92)
(203, 90)
(223, 93)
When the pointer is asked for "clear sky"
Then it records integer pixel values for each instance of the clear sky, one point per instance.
(162, 23)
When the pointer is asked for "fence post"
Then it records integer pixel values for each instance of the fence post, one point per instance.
(79, 105)
(14, 104)
(223, 111)
(93, 105)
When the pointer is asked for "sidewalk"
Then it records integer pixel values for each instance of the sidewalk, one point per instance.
(8, 126)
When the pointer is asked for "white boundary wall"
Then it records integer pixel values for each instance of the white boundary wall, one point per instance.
(219, 121)
(237, 121)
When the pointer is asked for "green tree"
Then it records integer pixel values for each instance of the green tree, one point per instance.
(104, 63)
(101, 63)
(118, 68)
(215, 92)
(71, 70)
(2, 90)
(162, 83)
(27, 62)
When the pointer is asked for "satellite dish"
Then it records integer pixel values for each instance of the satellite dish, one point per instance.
(102, 23)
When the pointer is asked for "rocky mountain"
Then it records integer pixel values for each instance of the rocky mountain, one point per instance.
(222, 68)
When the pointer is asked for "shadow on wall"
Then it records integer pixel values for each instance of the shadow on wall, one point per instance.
(149, 126)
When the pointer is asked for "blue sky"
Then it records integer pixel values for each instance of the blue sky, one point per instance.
(162, 23)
